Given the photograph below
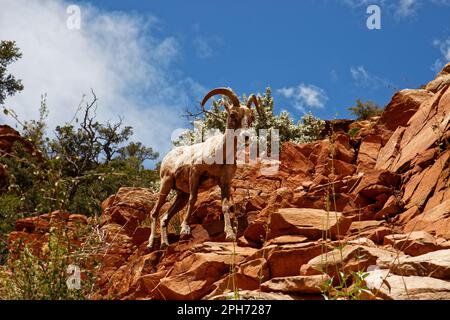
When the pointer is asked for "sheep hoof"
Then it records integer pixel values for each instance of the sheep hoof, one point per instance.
(185, 230)
(164, 245)
(230, 237)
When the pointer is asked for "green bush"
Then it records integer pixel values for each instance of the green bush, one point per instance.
(365, 110)
(44, 275)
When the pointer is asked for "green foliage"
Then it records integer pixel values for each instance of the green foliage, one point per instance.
(342, 291)
(78, 168)
(43, 275)
(306, 130)
(353, 132)
(74, 171)
(9, 53)
(365, 110)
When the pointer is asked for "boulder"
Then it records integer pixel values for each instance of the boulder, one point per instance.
(403, 106)
(350, 258)
(424, 128)
(414, 243)
(285, 260)
(129, 207)
(296, 284)
(368, 152)
(435, 221)
(425, 183)
(251, 295)
(195, 272)
(442, 79)
(395, 287)
(434, 264)
(406, 216)
(311, 223)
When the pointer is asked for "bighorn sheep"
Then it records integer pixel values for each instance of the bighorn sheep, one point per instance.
(184, 170)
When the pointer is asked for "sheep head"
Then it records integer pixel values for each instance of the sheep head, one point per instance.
(239, 115)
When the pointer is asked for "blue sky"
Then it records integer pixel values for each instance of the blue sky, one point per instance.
(149, 60)
(251, 44)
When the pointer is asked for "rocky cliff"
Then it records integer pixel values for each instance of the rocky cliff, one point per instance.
(376, 201)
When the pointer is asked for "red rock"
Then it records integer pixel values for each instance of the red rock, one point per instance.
(257, 269)
(285, 260)
(295, 155)
(350, 258)
(287, 240)
(140, 235)
(377, 177)
(400, 287)
(344, 151)
(335, 126)
(414, 243)
(311, 223)
(368, 152)
(370, 229)
(390, 208)
(232, 285)
(390, 151)
(296, 284)
(434, 264)
(435, 221)
(424, 128)
(373, 191)
(406, 216)
(442, 79)
(441, 190)
(341, 168)
(129, 207)
(359, 226)
(192, 277)
(427, 183)
(403, 106)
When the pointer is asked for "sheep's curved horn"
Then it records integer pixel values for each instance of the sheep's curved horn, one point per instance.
(225, 92)
(254, 100)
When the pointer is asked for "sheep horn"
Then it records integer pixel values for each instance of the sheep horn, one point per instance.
(254, 100)
(225, 92)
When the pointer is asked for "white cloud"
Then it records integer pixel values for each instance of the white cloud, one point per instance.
(444, 49)
(203, 48)
(360, 3)
(406, 8)
(305, 95)
(334, 75)
(131, 70)
(399, 9)
(363, 78)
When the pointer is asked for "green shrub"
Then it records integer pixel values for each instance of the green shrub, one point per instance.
(365, 110)
(44, 275)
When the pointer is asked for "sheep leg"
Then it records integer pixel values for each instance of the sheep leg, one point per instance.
(178, 204)
(225, 192)
(166, 186)
(193, 186)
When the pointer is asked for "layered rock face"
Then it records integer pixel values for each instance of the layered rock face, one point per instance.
(377, 202)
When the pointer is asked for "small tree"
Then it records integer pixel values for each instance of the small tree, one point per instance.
(365, 110)
(9, 53)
